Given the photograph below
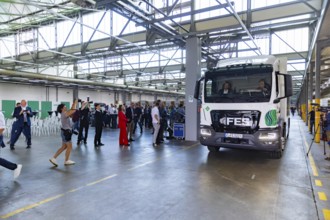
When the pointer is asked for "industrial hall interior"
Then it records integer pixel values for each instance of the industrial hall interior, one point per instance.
(164, 109)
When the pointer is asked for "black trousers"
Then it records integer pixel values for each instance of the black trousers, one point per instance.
(83, 126)
(311, 122)
(98, 134)
(113, 120)
(137, 122)
(5, 163)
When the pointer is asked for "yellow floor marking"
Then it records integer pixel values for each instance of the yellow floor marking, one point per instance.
(73, 190)
(322, 196)
(30, 206)
(101, 180)
(141, 165)
(326, 214)
(318, 183)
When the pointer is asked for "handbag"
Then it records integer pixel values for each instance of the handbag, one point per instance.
(67, 134)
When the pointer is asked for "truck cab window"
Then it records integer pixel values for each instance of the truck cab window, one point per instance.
(253, 84)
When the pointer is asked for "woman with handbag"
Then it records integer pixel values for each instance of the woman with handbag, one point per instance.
(66, 133)
(122, 121)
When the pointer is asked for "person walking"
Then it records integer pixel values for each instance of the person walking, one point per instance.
(155, 122)
(326, 118)
(98, 125)
(122, 121)
(137, 117)
(84, 122)
(311, 120)
(22, 114)
(3, 162)
(130, 121)
(66, 133)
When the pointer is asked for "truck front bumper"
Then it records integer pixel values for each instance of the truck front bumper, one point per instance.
(263, 139)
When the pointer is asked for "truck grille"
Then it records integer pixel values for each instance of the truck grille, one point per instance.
(236, 121)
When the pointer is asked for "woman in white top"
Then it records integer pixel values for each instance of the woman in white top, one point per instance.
(155, 122)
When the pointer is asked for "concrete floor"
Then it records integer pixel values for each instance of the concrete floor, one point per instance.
(178, 180)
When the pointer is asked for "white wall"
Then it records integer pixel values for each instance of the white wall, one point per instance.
(38, 93)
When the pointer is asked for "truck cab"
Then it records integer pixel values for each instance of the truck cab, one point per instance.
(244, 104)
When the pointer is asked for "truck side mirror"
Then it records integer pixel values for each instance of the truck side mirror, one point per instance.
(197, 88)
(288, 85)
(287, 90)
(276, 101)
(196, 93)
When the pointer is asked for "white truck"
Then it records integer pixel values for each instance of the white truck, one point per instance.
(245, 104)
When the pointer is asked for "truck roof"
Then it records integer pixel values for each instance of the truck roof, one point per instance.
(255, 60)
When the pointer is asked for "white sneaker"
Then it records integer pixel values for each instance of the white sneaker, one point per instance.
(69, 162)
(17, 171)
(53, 161)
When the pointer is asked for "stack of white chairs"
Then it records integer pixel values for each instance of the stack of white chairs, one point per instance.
(9, 124)
(45, 127)
(39, 127)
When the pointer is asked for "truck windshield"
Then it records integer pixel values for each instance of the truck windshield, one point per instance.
(238, 84)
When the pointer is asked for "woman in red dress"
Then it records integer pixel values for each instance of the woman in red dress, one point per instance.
(122, 120)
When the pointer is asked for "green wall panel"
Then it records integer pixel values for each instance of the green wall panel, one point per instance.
(34, 105)
(67, 104)
(8, 107)
(45, 107)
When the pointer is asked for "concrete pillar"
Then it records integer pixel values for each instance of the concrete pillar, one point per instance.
(193, 73)
(317, 89)
(306, 98)
(123, 97)
(310, 88)
(75, 70)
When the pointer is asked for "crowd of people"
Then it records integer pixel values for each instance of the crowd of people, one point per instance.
(159, 117)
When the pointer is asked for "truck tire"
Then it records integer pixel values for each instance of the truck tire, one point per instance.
(213, 148)
(276, 154)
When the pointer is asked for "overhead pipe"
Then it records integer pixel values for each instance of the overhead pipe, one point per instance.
(29, 75)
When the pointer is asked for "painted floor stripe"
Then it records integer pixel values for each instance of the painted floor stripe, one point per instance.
(101, 180)
(326, 214)
(31, 206)
(318, 183)
(322, 196)
(18, 211)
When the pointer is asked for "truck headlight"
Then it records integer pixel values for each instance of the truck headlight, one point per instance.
(206, 132)
(268, 136)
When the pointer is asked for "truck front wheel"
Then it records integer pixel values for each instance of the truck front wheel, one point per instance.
(213, 148)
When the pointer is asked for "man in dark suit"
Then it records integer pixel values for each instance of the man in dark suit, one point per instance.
(98, 125)
(84, 122)
(137, 117)
(23, 123)
(130, 121)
